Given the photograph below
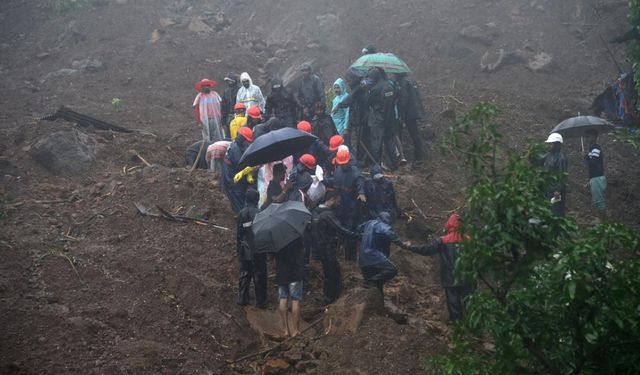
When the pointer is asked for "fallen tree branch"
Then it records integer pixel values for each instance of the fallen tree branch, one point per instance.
(267, 351)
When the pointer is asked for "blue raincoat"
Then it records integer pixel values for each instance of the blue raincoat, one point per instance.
(377, 236)
(341, 116)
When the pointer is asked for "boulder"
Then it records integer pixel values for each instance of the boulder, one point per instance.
(65, 152)
(476, 34)
(348, 312)
(540, 62)
(199, 27)
(276, 366)
(504, 58)
(88, 65)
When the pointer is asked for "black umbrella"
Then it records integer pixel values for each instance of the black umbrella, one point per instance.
(276, 145)
(279, 225)
(577, 126)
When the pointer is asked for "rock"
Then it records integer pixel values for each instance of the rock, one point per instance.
(313, 45)
(43, 55)
(477, 34)
(281, 53)
(166, 22)
(347, 313)
(405, 25)
(199, 27)
(60, 73)
(293, 355)
(272, 63)
(65, 152)
(504, 58)
(540, 62)
(121, 2)
(276, 366)
(327, 21)
(88, 65)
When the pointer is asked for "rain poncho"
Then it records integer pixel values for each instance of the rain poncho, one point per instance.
(339, 115)
(207, 107)
(251, 96)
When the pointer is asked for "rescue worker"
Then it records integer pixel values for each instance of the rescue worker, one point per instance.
(373, 259)
(322, 124)
(411, 111)
(555, 161)
(249, 94)
(310, 91)
(349, 183)
(381, 196)
(233, 180)
(254, 116)
(229, 97)
(381, 117)
(281, 104)
(597, 180)
(356, 103)
(324, 229)
(318, 149)
(239, 120)
(252, 266)
(447, 248)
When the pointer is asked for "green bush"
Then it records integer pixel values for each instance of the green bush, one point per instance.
(552, 298)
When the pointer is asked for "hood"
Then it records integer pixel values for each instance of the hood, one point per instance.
(276, 83)
(453, 230)
(385, 217)
(251, 198)
(245, 76)
(233, 77)
(343, 87)
(376, 171)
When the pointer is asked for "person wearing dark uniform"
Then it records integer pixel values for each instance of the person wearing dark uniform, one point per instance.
(252, 266)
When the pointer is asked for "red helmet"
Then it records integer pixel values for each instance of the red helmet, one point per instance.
(304, 126)
(254, 112)
(308, 161)
(239, 106)
(246, 133)
(343, 156)
(335, 142)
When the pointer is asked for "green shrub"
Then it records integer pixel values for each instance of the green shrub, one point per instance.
(552, 298)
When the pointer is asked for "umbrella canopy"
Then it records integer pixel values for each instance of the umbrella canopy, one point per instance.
(276, 145)
(279, 225)
(577, 126)
(387, 61)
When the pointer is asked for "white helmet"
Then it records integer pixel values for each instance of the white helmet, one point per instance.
(554, 137)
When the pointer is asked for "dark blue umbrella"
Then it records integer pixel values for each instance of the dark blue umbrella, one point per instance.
(276, 145)
(278, 225)
(577, 126)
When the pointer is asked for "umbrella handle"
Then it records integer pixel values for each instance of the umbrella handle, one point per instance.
(582, 143)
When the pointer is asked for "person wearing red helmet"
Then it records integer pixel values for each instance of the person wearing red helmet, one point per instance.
(318, 149)
(207, 110)
(335, 143)
(238, 121)
(230, 168)
(349, 183)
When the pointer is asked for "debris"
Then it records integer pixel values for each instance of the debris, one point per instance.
(276, 366)
(249, 356)
(84, 120)
(347, 313)
(504, 58)
(539, 62)
(164, 214)
(476, 34)
(43, 55)
(135, 154)
(166, 22)
(199, 27)
(155, 36)
(88, 65)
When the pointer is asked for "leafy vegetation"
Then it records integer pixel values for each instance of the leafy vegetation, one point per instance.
(552, 298)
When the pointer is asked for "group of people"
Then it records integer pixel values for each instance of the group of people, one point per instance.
(556, 161)
(367, 115)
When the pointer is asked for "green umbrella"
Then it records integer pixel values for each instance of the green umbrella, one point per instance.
(387, 61)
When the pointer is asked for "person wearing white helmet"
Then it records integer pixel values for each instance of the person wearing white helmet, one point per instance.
(555, 161)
